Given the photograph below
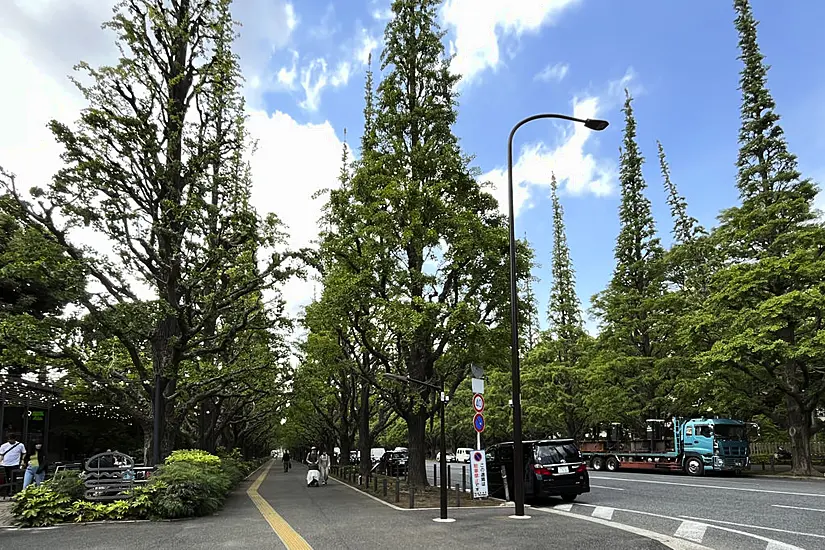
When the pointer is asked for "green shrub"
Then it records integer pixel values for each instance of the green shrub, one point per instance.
(40, 506)
(193, 456)
(190, 489)
(85, 511)
(69, 483)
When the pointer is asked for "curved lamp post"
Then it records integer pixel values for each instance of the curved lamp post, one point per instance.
(518, 449)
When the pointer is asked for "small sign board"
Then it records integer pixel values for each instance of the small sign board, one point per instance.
(478, 402)
(478, 469)
(478, 422)
(478, 385)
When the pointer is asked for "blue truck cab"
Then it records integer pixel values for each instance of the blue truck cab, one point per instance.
(712, 445)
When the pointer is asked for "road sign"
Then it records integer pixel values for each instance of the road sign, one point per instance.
(478, 470)
(478, 422)
(478, 385)
(478, 402)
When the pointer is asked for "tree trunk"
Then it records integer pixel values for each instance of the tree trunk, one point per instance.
(800, 433)
(364, 440)
(416, 430)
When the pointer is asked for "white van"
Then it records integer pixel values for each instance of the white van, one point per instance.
(462, 454)
(376, 453)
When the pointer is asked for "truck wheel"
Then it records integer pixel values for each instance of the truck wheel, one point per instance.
(597, 463)
(694, 466)
(569, 497)
(612, 464)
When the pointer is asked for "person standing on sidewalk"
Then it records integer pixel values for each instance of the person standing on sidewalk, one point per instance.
(11, 457)
(287, 463)
(34, 463)
(323, 462)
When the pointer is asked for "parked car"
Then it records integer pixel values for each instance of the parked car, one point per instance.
(450, 457)
(462, 454)
(552, 467)
(394, 463)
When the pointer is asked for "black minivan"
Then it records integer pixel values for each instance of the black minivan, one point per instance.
(552, 467)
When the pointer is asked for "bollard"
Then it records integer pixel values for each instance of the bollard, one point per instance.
(385, 487)
(449, 472)
(464, 478)
(435, 474)
(773, 469)
(457, 496)
(375, 484)
(397, 490)
(412, 495)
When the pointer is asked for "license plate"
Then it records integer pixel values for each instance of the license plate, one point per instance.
(563, 470)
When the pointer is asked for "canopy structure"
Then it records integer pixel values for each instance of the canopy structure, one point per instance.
(25, 408)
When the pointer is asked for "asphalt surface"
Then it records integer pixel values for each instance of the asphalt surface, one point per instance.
(336, 517)
(722, 512)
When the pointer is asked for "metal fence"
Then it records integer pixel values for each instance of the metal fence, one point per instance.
(770, 447)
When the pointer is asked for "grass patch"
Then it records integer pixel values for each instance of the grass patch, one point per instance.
(424, 497)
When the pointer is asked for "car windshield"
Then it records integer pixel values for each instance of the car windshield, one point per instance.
(726, 431)
(557, 453)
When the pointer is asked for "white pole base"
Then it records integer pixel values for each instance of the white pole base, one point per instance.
(519, 517)
(445, 520)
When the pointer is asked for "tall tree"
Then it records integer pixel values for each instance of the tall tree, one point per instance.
(633, 329)
(554, 371)
(422, 205)
(152, 167)
(766, 306)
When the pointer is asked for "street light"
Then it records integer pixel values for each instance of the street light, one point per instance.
(518, 450)
(443, 457)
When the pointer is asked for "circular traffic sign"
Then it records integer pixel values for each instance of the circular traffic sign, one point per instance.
(477, 456)
(478, 402)
(478, 422)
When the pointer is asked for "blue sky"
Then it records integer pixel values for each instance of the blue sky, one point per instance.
(304, 64)
(683, 61)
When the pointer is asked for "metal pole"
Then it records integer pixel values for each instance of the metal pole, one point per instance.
(518, 450)
(443, 458)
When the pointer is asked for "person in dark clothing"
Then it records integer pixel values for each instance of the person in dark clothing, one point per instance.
(287, 463)
(34, 463)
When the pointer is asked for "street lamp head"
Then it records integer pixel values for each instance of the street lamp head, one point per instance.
(596, 124)
(396, 377)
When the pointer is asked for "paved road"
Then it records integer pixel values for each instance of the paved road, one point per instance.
(281, 512)
(721, 512)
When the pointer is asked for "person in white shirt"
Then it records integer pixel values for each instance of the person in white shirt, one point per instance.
(11, 457)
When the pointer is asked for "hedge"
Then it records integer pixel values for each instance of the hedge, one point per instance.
(190, 483)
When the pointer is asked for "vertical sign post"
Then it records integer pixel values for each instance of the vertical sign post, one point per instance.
(478, 406)
(478, 464)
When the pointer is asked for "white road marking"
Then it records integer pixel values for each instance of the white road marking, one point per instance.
(565, 507)
(703, 486)
(691, 530)
(775, 545)
(798, 508)
(606, 487)
(670, 542)
(780, 545)
(756, 527)
(603, 512)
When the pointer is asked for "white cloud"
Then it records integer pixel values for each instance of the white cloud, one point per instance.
(286, 77)
(365, 46)
(479, 25)
(292, 162)
(316, 76)
(555, 72)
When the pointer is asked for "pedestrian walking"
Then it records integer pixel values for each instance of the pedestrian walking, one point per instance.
(287, 464)
(11, 457)
(323, 463)
(34, 463)
(313, 474)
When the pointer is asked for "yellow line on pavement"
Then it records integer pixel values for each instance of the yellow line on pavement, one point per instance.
(291, 539)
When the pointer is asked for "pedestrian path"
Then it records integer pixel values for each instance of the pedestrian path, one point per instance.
(337, 516)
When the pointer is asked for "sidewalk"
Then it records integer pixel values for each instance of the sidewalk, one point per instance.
(337, 516)
(265, 510)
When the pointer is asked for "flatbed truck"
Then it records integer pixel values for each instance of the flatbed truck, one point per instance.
(694, 446)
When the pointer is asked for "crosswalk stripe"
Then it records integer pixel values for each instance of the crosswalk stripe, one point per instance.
(691, 530)
(602, 512)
